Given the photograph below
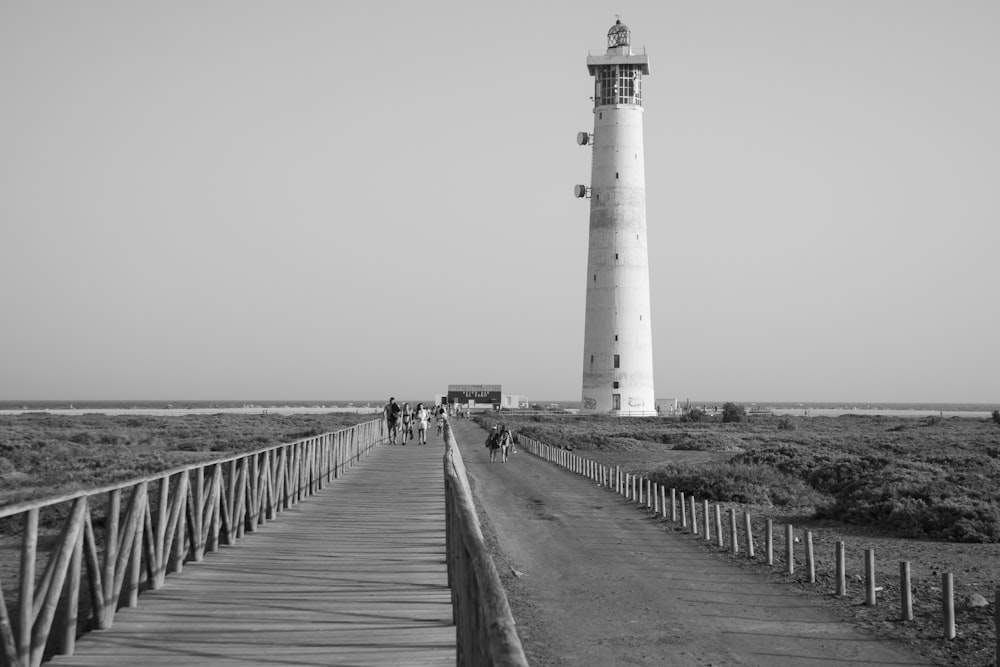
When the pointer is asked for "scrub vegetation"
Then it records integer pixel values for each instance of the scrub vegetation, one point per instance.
(43, 455)
(910, 477)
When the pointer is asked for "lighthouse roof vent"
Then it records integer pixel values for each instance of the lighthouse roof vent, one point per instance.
(618, 35)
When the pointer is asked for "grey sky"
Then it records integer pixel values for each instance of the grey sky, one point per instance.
(349, 200)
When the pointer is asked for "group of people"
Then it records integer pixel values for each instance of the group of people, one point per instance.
(500, 441)
(402, 420)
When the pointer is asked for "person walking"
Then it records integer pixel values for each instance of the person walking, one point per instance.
(441, 416)
(421, 417)
(493, 444)
(392, 411)
(506, 442)
(407, 418)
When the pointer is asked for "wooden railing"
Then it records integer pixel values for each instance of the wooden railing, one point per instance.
(485, 627)
(170, 518)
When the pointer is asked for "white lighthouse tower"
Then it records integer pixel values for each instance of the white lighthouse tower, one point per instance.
(617, 341)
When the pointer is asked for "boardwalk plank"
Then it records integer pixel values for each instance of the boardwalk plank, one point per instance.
(353, 576)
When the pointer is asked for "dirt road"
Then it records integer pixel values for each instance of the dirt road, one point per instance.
(593, 581)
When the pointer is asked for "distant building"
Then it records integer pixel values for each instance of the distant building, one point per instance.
(513, 402)
(475, 395)
(667, 406)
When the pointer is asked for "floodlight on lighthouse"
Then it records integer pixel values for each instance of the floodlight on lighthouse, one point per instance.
(583, 138)
(581, 191)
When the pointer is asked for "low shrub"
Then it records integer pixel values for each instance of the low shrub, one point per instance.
(739, 483)
(733, 413)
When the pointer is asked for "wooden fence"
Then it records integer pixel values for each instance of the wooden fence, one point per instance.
(675, 507)
(486, 633)
(169, 518)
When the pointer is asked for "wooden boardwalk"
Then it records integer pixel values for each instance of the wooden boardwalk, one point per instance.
(355, 575)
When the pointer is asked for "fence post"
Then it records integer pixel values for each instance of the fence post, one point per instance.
(694, 516)
(810, 560)
(870, 577)
(708, 523)
(769, 541)
(718, 526)
(663, 501)
(841, 569)
(733, 538)
(905, 592)
(673, 505)
(790, 549)
(748, 529)
(684, 513)
(948, 600)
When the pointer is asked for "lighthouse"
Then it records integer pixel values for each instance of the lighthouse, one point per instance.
(617, 340)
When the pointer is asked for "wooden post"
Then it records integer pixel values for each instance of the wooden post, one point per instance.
(708, 522)
(8, 642)
(948, 601)
(684, 513)
(663, 502)
(996, 621)
(72, 601)
(870, 577)
(656, 498)
(905, 592)
(673, 505)
(841, 569)
(769, 541)
(790, 549)
(718, 526)
(733, 537)
(748, 529)
(25, 607)
(641, 483)
(810, 561)
(110, 556)
(694, 516)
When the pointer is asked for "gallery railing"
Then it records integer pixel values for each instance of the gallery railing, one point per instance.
(169, 518)
(485, 627)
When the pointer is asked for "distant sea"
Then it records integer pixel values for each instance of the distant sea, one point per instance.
(181, 407)
(177, 407)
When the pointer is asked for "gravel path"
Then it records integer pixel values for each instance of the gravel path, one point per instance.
(593, 581)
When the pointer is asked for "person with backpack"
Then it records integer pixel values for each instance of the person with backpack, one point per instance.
(493, 443)
(392, 412)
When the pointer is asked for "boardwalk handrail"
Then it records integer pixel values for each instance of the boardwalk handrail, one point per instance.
(485, 626)
(171, 517)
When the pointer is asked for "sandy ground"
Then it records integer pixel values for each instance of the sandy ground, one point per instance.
(593, 581)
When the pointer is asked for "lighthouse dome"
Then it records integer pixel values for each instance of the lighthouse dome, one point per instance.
(618, 35)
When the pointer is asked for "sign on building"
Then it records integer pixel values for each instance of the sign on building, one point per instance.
(475, 395)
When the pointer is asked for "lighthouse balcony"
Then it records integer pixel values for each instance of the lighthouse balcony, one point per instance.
(606, 60)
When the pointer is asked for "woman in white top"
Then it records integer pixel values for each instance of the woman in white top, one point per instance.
(421, 417)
